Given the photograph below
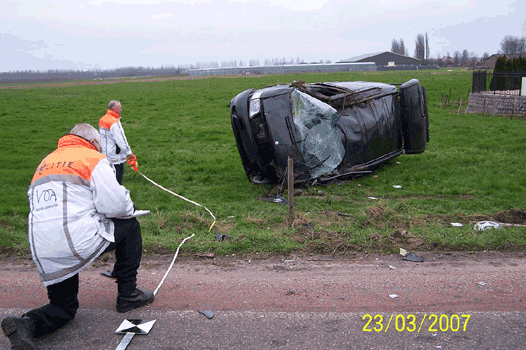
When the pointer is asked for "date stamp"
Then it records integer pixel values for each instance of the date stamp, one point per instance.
(411, 323)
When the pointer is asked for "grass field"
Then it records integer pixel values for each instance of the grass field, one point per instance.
(472, 169)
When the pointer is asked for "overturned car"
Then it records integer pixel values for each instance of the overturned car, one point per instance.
(330, 130)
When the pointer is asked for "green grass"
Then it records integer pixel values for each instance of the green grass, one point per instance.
(181, 133)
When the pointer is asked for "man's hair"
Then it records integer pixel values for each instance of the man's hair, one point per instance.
(113, 103)
(86, 131)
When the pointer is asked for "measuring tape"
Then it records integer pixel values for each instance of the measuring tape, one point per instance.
(184, 240)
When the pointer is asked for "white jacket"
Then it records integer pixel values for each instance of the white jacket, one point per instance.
(112, 136)
(71, 197)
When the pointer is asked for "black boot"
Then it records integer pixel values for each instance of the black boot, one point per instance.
(19, 331)
(130, 297)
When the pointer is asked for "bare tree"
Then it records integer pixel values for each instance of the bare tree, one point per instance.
(403, 50)
(513, 45)
(395, 46)
(420, 49)
(474, 58)
(427, 48)
(464, 60)
(398, 47)
(438, 60)
(456, 58)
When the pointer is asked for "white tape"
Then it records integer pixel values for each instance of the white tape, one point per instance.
(184, 240)
(186, 199)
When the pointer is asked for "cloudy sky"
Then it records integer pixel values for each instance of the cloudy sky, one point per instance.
(88, 34)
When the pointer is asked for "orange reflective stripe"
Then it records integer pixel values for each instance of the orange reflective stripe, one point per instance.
(75, 156)
(108, 119)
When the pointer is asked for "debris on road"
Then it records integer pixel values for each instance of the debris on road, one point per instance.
(392, 296)
(392, 267)
(207, 313)
(482, 283)
(403, 252)
(413, 257)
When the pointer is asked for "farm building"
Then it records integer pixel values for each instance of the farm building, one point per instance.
(384, 59)
(489, 63)
(287, 69)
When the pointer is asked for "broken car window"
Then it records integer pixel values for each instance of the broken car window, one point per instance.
(318, 138)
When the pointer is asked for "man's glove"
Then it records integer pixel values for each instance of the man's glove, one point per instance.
(132, 160)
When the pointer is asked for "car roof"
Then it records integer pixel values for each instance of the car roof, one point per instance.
(362, 85)
(356, 86)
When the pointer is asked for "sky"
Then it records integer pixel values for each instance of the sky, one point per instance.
(99, 34)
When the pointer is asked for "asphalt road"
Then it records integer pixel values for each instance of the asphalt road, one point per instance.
(450, 301)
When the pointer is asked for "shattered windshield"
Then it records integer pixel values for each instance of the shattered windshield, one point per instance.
(318, 137)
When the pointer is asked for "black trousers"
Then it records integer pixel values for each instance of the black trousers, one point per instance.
(63, 301)
(119, 172)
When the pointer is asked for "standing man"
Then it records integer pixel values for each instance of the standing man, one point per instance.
(77, 211)
(113, 141)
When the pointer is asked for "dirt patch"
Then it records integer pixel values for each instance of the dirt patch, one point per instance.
(512, 216)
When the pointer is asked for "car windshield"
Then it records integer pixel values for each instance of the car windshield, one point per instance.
(318, 138)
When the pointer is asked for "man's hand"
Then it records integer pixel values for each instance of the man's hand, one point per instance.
(132, 160)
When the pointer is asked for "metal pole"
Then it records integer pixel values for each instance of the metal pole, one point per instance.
(290, 174)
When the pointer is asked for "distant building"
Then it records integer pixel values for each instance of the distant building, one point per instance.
(384, 59)
(489, 63)
(447, 60)
(287, 68)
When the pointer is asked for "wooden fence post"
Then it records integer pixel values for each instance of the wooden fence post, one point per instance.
(290, 173)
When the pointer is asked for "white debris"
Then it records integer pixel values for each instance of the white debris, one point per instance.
(392, 267)
(456, 224)
(392, 296)
(484, 225)
(403, 252)
(397, 186)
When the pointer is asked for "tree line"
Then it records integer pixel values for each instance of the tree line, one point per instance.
(508, 45)
(62, 75)
(271, 62)
(501, 79)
